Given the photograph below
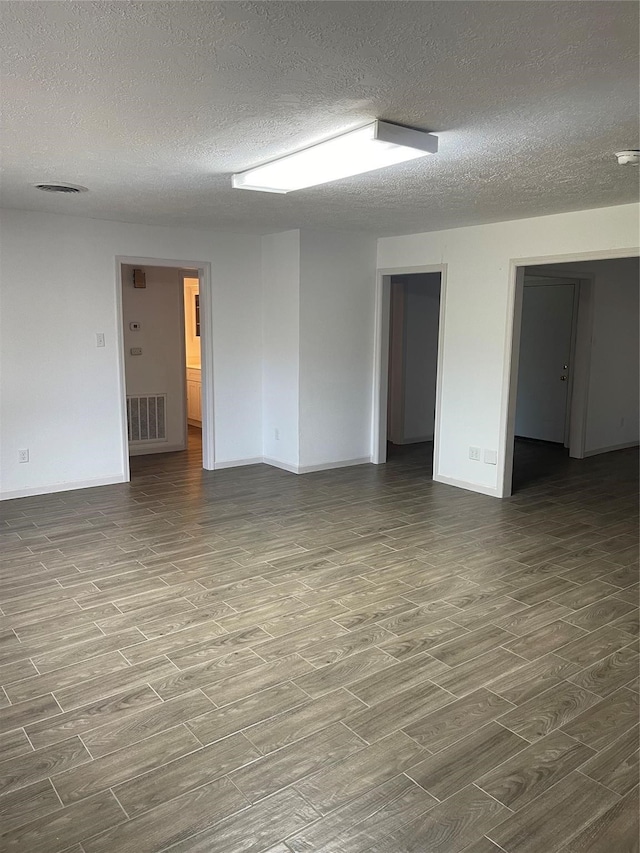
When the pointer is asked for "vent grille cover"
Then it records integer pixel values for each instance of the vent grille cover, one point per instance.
(59, 187)
(146, 418)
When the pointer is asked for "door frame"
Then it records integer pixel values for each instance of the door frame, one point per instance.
(582, 355)
(381, 358)
(203, 271)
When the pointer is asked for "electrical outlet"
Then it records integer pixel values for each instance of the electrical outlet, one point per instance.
(99, 339)
(474, 453)
(23, 455)
(276, 434)
(136, 350)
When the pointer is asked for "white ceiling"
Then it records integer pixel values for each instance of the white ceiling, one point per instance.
(153, 105)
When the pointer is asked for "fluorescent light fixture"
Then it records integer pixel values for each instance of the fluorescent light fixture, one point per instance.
(373, 146)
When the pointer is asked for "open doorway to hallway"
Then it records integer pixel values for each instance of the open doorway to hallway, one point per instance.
(161, 337)
(414, 320)
(577, 366)
(193, 358)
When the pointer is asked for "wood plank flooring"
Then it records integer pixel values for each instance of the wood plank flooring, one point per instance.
(353, 661)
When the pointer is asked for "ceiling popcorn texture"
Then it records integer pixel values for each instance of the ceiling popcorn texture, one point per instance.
(154, 105)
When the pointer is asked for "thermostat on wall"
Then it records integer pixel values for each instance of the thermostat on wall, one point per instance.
(135, 327)
(139, 278)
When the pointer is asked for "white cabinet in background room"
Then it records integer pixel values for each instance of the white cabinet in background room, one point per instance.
(194, 396)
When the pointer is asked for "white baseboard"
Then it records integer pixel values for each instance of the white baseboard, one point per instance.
(323, 466)
(237, 463)
(329, 466)
(61, 487)
(148, 449)
(470, 487)
(285, 466)
(419, 440)
(600, 450)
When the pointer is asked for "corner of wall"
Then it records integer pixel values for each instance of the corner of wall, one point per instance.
(281, 347)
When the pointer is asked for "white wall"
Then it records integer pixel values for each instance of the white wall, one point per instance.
(422, 308)
(160, 368)
(281, 347)
(318, 304)
(613, 386)
(395, 372)
(613, 390)
(60, 395)
(475, 361)
(337, 286)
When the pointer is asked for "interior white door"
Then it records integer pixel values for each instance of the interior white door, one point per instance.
(545, 352)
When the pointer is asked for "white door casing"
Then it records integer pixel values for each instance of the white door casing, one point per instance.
(203, 272)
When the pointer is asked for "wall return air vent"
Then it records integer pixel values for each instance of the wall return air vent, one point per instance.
(146, 418)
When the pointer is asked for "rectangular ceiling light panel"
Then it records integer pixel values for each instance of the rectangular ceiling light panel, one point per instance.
(374, 146)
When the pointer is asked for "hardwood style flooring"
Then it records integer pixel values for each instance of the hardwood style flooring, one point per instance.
(353, 661)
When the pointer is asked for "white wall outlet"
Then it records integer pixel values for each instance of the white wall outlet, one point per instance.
(474, 453)
(135, 327)
(491, 457)
(99, 339)
(276, 434)
(23, 455)
(136, 350)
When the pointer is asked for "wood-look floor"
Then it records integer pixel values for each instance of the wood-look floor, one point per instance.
(353, 661)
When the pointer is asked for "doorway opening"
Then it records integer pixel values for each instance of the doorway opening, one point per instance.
(165, 352)
(574, 365)
(193, 362)
(410, 307)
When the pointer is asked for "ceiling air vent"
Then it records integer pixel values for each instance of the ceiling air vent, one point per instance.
(60, 188)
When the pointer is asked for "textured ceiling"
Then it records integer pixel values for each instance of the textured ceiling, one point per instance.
(153, 105)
